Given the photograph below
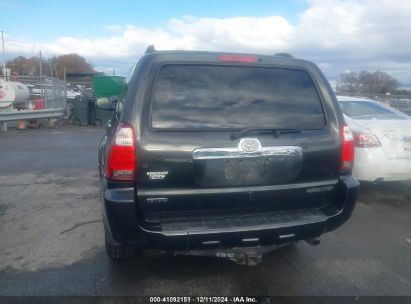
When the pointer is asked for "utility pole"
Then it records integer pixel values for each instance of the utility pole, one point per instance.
(4, 58)
(41, 76)
(50, 67)
(41, 65)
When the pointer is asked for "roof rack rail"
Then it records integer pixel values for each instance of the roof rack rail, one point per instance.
(150, 49)
(284, 55)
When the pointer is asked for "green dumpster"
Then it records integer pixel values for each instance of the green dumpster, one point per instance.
(80, 112)
(107, 86)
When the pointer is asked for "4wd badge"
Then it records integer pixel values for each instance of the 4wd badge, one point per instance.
(157, 175)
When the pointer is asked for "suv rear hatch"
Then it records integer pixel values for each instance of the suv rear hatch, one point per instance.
(234, 140)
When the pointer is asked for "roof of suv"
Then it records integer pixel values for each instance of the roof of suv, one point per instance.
(152, 61)
(205, 56)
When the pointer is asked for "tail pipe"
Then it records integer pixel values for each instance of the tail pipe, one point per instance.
(313, 242)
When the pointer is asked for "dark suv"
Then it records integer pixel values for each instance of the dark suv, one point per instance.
(229, 155)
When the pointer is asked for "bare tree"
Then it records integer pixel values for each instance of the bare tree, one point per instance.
(362, 82)
(348, 82)
(27, 66)
(30, 66)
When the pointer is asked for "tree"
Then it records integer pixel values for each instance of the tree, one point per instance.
(23, 66)
(348, 83)
(364, 82)
(403, 92)
(72, 63)
(27, 66)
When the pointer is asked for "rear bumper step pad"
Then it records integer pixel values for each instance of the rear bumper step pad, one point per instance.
(245, 222)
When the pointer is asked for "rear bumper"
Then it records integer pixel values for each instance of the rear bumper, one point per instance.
(121, 221)
(371, 165)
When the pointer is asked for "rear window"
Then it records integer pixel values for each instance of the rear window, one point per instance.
(368, 110)
(230, 97)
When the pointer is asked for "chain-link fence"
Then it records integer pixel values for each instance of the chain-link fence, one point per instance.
(78, 90)
(51, 90)
(31, 97)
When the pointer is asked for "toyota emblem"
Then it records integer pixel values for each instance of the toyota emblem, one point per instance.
(249, 145)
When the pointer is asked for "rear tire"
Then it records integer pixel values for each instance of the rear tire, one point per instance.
(118, 251)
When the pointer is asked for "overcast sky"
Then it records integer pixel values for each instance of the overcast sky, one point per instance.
(337, 35)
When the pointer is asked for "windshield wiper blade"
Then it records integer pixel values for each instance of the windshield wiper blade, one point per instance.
(276, 132)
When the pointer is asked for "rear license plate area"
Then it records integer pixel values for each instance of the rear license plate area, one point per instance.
(256, 169)
(246, 171)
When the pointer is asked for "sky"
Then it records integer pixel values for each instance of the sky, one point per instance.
(338, 35)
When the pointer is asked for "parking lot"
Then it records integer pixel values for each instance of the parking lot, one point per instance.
(52, 236)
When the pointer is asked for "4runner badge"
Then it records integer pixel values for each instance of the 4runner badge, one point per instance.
(249, 145)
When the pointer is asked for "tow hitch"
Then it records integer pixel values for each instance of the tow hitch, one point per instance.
(247, 259)
(250, 256)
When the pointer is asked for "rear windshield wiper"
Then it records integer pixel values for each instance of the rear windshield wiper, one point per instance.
(276, 132)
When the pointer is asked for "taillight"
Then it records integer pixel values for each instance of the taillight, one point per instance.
(238, 58)
(121, 160)
(347, 157)
(364, 140)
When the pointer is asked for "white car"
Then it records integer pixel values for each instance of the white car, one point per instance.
(382, 139)
(70, 94)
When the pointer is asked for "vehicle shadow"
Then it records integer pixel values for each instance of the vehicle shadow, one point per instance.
(388, 193)
(162, 274)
